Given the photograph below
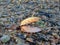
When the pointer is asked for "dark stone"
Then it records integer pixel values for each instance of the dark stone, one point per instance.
(52, 23)
(21, 36)
(31, 43)
(18, 28)
(46, 14)
(0, 36)
(50, 32)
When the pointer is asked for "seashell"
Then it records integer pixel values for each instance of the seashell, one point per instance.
(30, 29)
(29, 20)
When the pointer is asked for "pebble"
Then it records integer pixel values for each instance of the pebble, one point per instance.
(29, 39)
(4, 2)
(41, 23)
(21, 36)
(58, 23)
(5, 38)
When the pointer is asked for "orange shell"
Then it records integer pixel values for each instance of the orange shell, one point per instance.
(29, 20)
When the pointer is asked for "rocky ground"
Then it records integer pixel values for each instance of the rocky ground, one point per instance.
(13, 11)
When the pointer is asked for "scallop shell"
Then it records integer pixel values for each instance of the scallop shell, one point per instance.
(29, 20)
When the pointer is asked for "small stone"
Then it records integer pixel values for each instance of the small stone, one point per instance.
(3, 19)
(20, 41)
(4, 2)
(58, 23)
(5, 38)
(44, 17)
(20, 36)
(41, 23)
(29, 39)
(0, 35)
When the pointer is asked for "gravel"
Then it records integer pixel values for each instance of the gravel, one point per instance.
(13, 11)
